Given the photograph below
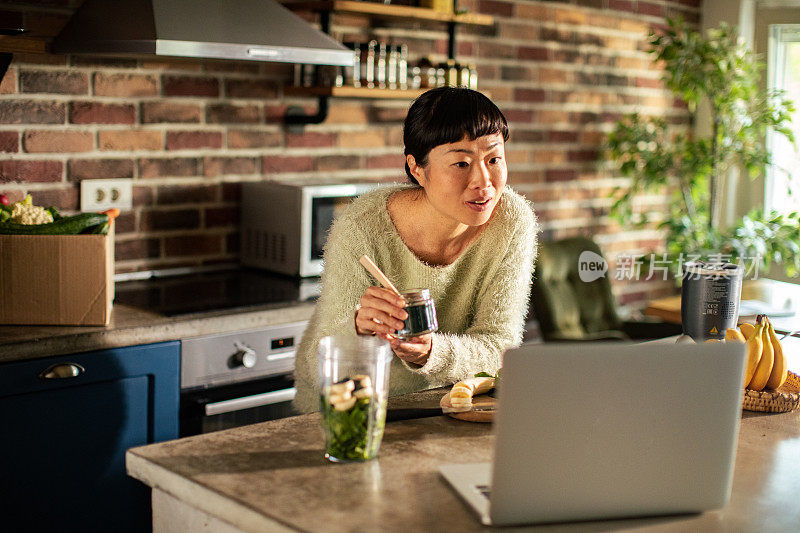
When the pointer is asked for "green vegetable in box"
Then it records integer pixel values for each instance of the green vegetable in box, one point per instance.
(24, 218)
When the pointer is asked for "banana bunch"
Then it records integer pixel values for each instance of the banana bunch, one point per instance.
(766, 362)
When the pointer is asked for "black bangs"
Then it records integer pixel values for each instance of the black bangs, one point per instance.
(444, 115)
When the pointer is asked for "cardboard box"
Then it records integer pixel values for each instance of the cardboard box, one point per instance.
(57, 279)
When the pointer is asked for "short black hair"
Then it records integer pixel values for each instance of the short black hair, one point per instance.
(444, 115)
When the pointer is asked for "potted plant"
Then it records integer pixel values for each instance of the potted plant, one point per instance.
(720, 70)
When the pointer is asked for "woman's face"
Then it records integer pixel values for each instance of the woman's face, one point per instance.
(464, 180)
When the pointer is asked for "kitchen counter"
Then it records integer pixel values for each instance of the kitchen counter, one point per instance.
(131, 326)
(273, 477)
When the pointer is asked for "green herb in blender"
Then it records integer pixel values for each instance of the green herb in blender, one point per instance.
(353, 419)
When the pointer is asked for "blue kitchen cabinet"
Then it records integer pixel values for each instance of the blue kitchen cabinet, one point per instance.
(64, 436)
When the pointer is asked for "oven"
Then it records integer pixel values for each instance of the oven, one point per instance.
(239, 378)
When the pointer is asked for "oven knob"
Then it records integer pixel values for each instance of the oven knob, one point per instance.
(245, 357)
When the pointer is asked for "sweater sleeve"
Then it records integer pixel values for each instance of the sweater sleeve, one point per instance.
(499, 317)
(344, 281)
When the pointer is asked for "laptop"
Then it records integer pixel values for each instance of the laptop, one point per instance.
(609, 430)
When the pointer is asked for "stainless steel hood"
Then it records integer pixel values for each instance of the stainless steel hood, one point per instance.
(260, 30)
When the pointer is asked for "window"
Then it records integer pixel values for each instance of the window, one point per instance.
(783, 73)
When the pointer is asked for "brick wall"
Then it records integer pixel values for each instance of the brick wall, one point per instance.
(189, 132)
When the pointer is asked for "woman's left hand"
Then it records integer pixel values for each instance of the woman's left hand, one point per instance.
(415, 350)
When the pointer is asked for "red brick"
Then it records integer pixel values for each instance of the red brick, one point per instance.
(277, 164)
(646, 8)
(96, 113)
(173, 63)
(493, 7)
(387, 161)
(167, 112)
(187, 194)
(9, 141)
(253, 139)
(561, 175)
(130, 249)
(232, 114)
(273, 114)
(649, 82)
(563, 136)
(224, 166)
(193, 245)
(222, 217)
(130, 140)
(143, 196)
(43, 141)
(156, 168)
(529, 95)
(245, 67)
(184, 140)
(160, 220)
(33, 171)
(63, 199)
(189, 86)
(337, 162)
(124, 85)
(582, 155)
(31, 112)
(262, 89)
(53, 82)
(309, 139)
(497, 50)
(83, 169)
(125, 223)
(518, 115)
(535, 54)
(622, 5)
(8, 85)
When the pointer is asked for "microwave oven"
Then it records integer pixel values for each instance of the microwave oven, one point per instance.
(284, 225)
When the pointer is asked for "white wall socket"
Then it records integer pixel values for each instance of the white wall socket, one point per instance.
(99, 195)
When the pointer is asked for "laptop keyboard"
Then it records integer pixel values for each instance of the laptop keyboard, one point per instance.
(485, 490)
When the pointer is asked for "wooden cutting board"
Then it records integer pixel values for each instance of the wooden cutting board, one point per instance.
(482, 401)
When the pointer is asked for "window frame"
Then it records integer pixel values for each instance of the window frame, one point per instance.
(776, 183)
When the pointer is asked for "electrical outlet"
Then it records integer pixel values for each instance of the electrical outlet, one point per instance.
(99, 195)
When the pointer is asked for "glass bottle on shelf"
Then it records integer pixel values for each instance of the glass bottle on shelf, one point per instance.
(370, 74)
(357, 61)
(451, 73)
(380, 69)
(394, 56)
(402, 67)
(473, 76)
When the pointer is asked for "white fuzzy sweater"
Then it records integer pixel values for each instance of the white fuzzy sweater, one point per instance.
(481, 298)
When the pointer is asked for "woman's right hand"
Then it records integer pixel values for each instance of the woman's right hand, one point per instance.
(380, 313)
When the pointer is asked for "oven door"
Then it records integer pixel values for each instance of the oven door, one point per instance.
(224, 407)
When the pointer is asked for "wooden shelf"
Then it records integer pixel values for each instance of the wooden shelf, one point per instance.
(354, 92)
(17, 44)
(390, 11)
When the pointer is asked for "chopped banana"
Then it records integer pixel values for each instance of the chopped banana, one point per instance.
(344, 405)
(363, 392)
(345, 385)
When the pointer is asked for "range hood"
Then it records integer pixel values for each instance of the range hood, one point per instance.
(260, 30)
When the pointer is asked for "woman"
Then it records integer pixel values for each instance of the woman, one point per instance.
(456, 230)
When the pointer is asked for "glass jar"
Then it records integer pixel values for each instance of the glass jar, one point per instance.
(421, 311)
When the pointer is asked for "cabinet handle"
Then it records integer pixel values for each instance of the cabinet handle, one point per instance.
(62, 371)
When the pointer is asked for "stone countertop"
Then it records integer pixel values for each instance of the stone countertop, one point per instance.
(131, 326)
(273, 475)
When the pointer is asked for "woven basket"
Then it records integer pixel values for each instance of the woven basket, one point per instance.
(786, 398)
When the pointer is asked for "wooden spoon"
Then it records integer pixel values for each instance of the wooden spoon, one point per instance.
(378, 273)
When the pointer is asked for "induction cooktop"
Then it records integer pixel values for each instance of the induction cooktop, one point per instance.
(221, 290)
